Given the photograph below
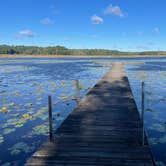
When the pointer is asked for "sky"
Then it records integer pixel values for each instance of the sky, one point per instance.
(126, 25)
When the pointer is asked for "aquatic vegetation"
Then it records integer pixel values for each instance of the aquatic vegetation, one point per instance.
(16, 94)
(40, 90)
(20, 147)
(59, 118)
(40, 130)
(42, 113)
(64, 97)
(14, 122)
(8, 131)
(162, 140)
(15, 115)
(26, 116)
(153, 141)
(28, 105)
(1, 139)
(157, 127)
(28, 96)
(11, 104)
(5, 110)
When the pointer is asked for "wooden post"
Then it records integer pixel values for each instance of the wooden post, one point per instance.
(50, 118)
(142, 114)
(77, 91)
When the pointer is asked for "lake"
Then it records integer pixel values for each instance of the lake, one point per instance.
(26, 83)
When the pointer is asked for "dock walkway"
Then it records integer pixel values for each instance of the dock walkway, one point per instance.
(104, 130)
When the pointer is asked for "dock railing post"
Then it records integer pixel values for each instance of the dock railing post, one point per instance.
(77, 91)
(50, 118)
(142, 113)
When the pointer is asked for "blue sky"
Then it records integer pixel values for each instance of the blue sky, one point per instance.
(127, 25)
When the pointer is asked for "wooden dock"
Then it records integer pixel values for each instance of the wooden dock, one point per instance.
(104, 130)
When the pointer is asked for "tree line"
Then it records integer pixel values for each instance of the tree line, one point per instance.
(61, 50)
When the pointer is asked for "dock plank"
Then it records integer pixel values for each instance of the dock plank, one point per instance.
(104, 130)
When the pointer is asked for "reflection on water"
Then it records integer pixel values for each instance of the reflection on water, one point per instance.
(26, 83)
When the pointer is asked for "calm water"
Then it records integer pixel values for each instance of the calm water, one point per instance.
(26, 83)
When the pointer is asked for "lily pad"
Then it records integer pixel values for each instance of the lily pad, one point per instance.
(5, 110)
(157, 127)
(162, 140)
(26, 116)
(1, 139)
(19, 148)
(28, 105)
(8, 131)
(40, 130)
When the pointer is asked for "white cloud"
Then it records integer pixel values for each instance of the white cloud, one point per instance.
(114, 10)
(27, 33)
(47, 21)
(156, 30)
(96, 19)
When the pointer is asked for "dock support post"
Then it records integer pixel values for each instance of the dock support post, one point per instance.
(50, 118)
(77, 91)
(142, 114)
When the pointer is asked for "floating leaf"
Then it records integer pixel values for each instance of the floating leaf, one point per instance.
(19, 148)
(11, 104)
(64, 97)
(162, 139)
(25, 116)
(8, 131)
(157, 127)
(1, 139)
(15, 115)
(153, 141)
(16, 94)
(40, 130)
(34, 84)
(28, 104)
(5, 110)
(40, 90)
(42, 113)
(14, 122)
(39, 99)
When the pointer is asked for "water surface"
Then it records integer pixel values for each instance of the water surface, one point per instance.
(25, 84)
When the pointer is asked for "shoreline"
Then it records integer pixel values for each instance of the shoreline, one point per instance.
(81, 56)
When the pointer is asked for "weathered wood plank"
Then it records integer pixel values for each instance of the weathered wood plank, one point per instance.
(105, 129)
